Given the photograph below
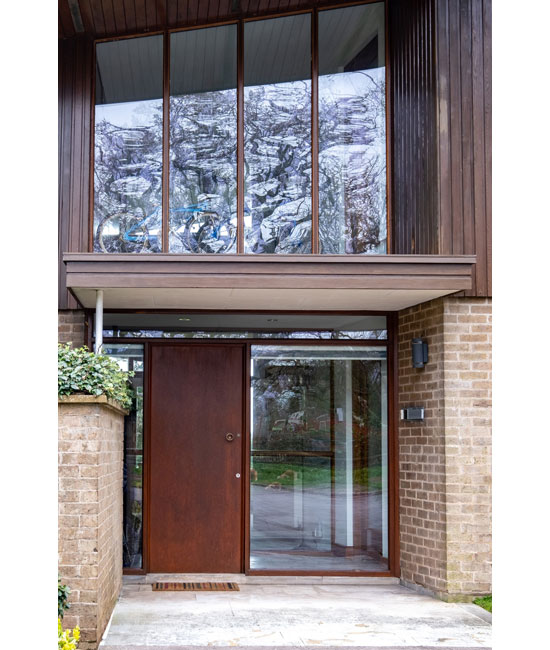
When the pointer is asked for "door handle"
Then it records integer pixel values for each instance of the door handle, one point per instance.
(230, 437)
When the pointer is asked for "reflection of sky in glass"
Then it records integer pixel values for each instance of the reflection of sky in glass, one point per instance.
(352, 165)
(126, 114)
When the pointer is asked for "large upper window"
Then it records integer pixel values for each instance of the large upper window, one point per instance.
(352, 130)
(203, 141)
(277, 135)
(262, 137)
(128, 146)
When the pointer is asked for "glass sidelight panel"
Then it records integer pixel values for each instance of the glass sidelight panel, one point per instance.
(352, 130)
(203, 141)
(319, 481)
(130, 357)
(277, 135)
(128, 146)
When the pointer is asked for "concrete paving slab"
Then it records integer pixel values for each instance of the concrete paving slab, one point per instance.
(263, 647)
(273, 616)
(258, 580)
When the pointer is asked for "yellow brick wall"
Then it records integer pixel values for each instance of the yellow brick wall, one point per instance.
(90, 514)
(445, 461)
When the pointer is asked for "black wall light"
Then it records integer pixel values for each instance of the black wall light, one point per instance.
(419, 353)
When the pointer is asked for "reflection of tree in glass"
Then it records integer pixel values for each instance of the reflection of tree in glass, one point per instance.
(128, 173)
(203, 157)
(352, 162)
(278, 167)
(292, 405)
(295, 409)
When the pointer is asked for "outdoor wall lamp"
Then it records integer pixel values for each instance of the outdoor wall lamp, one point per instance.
(419, 353)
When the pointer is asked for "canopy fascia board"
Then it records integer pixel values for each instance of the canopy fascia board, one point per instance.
(172, 281)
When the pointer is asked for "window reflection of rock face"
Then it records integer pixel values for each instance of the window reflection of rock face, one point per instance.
(277, 135)
(128, 177)
(203, 174)
(278, 168)
(352, 162)
(352, 133)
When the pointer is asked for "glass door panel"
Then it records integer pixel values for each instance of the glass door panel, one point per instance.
(130, 358)
(318, 493)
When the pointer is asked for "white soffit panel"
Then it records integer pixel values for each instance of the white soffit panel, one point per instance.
(261, 299)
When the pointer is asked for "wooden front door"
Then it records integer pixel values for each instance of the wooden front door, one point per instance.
(196, 451)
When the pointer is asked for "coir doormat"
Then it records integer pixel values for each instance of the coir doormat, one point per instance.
(195, 586)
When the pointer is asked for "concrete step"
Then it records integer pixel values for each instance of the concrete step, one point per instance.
(240, 578)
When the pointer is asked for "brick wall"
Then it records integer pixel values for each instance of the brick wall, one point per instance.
(422, 451)
(71, 327)
(91, 431)
(445, 461)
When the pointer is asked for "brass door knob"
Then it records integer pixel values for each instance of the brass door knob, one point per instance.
(229, 437)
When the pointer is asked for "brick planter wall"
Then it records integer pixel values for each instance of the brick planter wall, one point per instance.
(91, 432)
(445, 461)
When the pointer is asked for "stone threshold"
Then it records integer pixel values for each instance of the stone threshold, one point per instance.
(242, 579)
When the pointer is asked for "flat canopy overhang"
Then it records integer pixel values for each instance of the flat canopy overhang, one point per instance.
(265, 282)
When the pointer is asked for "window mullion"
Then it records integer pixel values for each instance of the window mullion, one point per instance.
(166, 144)
(240, 137)
(314, 136)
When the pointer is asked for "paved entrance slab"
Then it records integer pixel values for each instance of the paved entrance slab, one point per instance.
(274, 613)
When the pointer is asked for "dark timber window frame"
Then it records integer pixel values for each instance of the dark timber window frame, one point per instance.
(314, 12)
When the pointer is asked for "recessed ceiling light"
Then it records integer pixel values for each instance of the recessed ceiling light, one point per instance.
(272, 320)
(187, 319)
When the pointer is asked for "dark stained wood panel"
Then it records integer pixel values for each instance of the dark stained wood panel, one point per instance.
(97, 16)
(119, 16)
(75, 87)
(151, 15)
(66, 27)
(413, 97)
(86, 14)
(131, 16)
(109, 15)
(440, 93)
(463, 32)
(104, 17)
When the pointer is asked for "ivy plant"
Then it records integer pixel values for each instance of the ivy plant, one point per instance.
(63, 592)
(82, 371)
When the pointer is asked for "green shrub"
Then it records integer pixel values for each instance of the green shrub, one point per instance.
(67, 639)
(63, 592)
(82, 371)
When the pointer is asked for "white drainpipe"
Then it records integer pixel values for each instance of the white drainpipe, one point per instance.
(98, 321)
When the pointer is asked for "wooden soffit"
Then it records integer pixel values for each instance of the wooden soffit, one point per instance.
(169, 281)
(111, 18)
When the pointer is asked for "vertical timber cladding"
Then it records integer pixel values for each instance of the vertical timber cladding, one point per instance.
(75, 88)
(413, 91)
(464, 83)
(440, 99)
